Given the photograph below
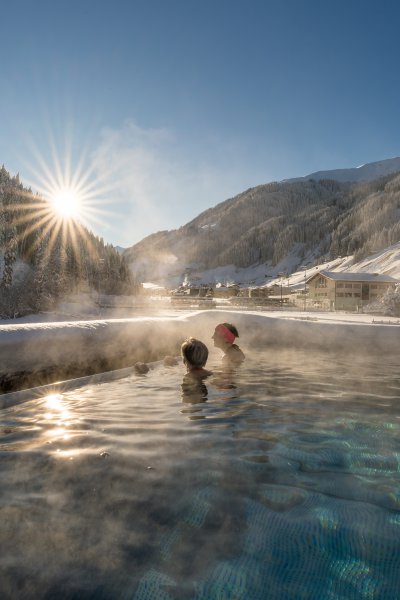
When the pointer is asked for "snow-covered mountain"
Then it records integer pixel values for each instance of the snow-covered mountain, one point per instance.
(273, 228)
(367, 172)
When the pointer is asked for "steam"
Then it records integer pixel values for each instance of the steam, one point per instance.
(54, 351)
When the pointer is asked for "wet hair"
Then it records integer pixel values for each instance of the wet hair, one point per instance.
(194, 352)
(231, 328)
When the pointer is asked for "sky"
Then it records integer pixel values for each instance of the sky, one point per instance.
(160, 109)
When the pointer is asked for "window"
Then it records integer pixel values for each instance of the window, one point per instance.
(340, 285)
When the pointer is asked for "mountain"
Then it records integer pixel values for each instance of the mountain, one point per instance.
(367, 172)
(275, 227)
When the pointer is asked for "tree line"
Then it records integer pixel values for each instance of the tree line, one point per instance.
(43, 258)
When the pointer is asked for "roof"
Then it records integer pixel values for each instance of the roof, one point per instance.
(347, 276)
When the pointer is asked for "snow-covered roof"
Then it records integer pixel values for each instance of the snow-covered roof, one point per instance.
(151, 286)
(348, 276)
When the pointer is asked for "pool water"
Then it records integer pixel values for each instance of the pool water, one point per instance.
(278, 480)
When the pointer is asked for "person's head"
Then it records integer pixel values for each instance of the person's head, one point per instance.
(194, 353)
(224, 335)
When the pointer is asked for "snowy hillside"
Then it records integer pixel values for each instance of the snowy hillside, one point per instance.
(386, 262)
(274, 228)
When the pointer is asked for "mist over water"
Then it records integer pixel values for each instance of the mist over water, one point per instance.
(35, 354)
(279, 479)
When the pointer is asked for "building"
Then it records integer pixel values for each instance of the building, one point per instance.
(259, 292)
(277, 289)
(226, 291)
(347, 291)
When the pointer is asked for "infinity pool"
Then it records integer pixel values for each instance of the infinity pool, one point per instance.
(280, 480)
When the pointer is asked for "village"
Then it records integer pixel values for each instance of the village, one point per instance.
(323, 291)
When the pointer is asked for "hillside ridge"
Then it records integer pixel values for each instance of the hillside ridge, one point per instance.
(268, 224)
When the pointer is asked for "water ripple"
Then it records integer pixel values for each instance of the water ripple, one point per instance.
(280, 480)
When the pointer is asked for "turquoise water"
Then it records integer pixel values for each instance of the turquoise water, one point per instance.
(280, 480)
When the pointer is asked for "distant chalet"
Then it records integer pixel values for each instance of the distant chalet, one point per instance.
(347, 291)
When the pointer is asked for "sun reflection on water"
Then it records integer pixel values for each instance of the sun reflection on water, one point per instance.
(54, 401)
(59, 419)
(56, 408)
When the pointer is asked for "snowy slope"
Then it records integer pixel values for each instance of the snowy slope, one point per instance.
(386, 262)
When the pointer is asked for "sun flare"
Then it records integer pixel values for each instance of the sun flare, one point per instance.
(70, 199)
(67, 203)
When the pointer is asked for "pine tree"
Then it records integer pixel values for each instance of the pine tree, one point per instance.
(8, 236)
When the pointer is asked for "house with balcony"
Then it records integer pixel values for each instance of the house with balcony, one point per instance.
(347, 291)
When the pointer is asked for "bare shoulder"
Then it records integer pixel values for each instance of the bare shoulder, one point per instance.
(199, 373)
(235, 354)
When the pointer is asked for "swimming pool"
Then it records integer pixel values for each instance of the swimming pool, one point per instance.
(279, 480)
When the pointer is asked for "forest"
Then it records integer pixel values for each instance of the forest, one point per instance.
(266, 223)
(44, 258)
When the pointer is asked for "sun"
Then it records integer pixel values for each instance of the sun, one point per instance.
(66, 203)
(70, 196)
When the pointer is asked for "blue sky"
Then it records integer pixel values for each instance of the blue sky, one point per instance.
(171, 106)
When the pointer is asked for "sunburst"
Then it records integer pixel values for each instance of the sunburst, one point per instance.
(67, 203)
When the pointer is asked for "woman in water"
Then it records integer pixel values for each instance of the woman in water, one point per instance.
(224, 337)
(194, 354)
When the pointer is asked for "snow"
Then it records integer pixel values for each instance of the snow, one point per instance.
(152, 286)
(384, 262)
(342, 276)
(209, 226)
